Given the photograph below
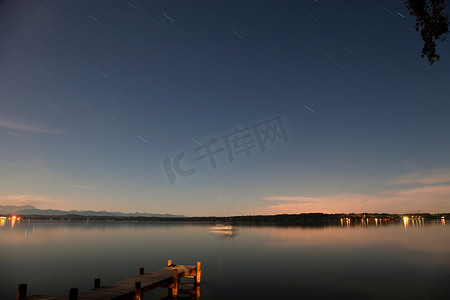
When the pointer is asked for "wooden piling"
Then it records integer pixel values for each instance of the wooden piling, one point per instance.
(97, 283)
(73, 294)
(175, 283)
(169, 290)
(141, 271)
(198, 273)
(197, 292)
(21, 291)
(137, 291)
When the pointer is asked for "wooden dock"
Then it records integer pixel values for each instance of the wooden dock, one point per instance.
(134, 287)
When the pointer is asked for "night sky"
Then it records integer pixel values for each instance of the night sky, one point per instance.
(220, 107)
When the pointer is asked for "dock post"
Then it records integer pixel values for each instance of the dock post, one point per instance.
(141, 271)
(73, 294)
(96, 283)
(175, 283)
(198, 273)
(21, 291)
(137, 291)
(197, 292)
(169, 262)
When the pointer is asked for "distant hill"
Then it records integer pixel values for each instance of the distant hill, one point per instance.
(31, 210)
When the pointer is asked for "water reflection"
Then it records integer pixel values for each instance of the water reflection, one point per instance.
(345, 221)
(224, 233)
(113, 251)
(366, 221)
(13, 220)
(432, 240)
(223, 230)
(405, 221)
(414, 220)
(363, 221)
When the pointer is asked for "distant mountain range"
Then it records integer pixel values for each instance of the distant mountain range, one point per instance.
(31, 210)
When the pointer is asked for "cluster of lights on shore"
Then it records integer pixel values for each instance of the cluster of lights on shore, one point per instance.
(416, 221)
(13, 220)
(366, 221)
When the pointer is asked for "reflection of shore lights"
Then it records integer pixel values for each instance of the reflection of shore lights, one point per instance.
(405, 221)
(2, 221)
(443, 221)
(13, 220)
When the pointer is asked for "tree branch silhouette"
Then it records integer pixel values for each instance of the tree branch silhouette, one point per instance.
(432, 22)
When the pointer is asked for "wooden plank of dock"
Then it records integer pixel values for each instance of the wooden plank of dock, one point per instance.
(124, 289)
(134, 287)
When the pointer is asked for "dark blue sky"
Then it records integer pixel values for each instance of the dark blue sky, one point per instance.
(95, 95)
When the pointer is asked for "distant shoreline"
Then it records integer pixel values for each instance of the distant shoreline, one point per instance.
(281, 219)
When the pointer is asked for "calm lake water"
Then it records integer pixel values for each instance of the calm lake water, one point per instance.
(389, 261)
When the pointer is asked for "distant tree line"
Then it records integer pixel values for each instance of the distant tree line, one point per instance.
(306, 219)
